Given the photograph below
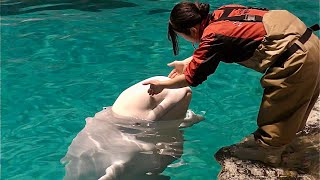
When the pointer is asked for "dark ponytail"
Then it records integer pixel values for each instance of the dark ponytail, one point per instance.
(172, 36)
(203, 9)
(183, 16)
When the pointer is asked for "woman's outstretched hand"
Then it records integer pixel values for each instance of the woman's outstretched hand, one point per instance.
(155, 87)
(179, 67)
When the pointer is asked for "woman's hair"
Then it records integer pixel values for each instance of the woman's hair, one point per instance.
(184, 16)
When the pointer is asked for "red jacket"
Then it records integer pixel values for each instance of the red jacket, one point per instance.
(224, 40)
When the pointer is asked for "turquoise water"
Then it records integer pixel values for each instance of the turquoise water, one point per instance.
(61, 63)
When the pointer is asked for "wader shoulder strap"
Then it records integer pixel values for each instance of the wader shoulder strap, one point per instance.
(292, 49)
(315, 27)
(242, 18)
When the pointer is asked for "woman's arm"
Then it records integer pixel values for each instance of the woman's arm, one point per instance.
(177, 82)
(157, 86)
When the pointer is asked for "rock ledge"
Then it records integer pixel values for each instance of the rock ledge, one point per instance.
(303, 158)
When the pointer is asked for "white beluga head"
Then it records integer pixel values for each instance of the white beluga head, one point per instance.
(135, 138)
(169, 104)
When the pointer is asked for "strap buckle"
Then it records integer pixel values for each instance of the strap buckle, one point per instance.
(248, 17)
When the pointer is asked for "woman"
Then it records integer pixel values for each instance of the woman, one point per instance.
(275, 43)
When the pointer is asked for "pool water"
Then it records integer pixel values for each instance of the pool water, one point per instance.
(63, 61)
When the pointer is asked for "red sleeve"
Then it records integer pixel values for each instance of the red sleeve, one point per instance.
(205, 60)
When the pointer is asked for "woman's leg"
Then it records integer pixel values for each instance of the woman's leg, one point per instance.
(289, 95)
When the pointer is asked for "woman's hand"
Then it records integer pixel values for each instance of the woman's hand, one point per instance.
(155, 87)
(179, 67)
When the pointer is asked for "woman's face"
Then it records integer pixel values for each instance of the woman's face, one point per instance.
(193, 37)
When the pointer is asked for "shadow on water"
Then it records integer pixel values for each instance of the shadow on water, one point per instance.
(158, 11)
(14, 7)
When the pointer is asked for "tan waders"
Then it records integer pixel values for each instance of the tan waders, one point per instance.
(290, 82)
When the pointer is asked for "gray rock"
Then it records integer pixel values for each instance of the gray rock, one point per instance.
(300, 159)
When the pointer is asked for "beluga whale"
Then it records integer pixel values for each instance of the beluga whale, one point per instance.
(135, 138)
